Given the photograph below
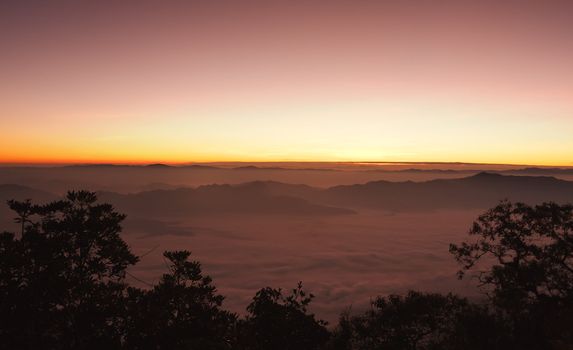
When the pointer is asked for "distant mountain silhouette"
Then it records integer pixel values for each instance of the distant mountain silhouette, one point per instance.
(541, 171)
(160, 186)
(474, 192)
(19, 192)
(417, 170)
(216, 200)
(142, 167)
(101, 165)
(253, 167)
(158, 165)
(522, 171)
(478, 191)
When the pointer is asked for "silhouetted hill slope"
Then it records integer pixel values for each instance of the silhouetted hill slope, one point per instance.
(268, 197)
(158, 165)
(19, 192)
(478, 191)
(216, 199)
(417, 170)
(252, 167)
(541, 171)
(518, 171)
(255, 168)
(280, 189)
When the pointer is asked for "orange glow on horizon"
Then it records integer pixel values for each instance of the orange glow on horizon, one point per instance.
(176, 82)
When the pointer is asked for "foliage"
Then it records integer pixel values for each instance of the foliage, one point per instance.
(181, 312)
(418, 321)
(62, 286)
(276, 321)
(526, 256)
(61, 278)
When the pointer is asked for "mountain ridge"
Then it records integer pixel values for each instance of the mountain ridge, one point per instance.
(478, 191)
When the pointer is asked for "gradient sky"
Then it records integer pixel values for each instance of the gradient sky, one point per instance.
(181, 81)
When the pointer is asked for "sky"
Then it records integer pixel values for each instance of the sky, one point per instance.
(232, 80)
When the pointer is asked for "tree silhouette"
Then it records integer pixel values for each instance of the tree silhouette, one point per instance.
(182, 311)
(276, 321)
(61, 279)
(419, 321)
(524, 257)
(62, 286)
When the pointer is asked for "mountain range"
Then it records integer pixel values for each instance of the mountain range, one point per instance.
(478, 191)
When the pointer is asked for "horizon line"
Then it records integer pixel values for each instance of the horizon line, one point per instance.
(341, 162)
